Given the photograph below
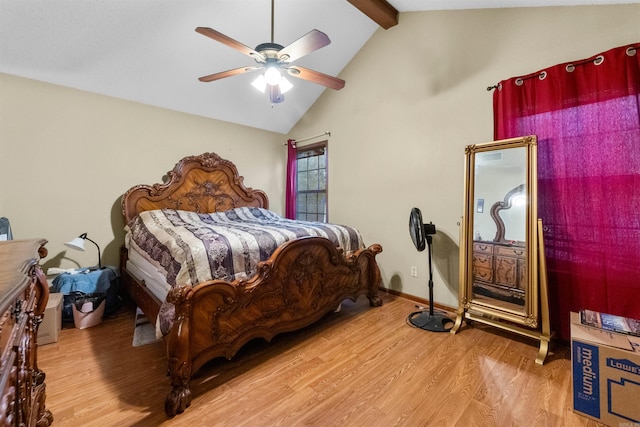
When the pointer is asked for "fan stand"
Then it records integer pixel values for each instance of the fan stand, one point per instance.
(430, 321)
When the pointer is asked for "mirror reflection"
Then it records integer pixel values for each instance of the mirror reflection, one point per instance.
(500, 227)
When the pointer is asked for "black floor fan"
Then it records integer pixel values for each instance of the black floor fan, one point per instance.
(421, 234)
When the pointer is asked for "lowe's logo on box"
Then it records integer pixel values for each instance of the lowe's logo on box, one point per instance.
(586, 374)
(623, 365)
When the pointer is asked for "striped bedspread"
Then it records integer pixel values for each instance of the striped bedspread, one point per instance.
(191, 248)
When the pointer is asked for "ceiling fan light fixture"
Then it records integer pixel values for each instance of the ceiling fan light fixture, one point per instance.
(285, 85)
(272, 75)
(260, 83)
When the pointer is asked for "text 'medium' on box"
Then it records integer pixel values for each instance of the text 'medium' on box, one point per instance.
(605, 374)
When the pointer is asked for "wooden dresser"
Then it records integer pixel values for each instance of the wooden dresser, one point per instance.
(23, 297)
(499, 271)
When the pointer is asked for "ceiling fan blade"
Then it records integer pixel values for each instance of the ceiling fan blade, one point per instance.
(316, 77)
(228, 73)
(217, 36)
(306, 44)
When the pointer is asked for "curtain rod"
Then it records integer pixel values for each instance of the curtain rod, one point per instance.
(570, 67)
(311, 137)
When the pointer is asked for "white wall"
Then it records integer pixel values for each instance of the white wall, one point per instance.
(415, 97)
(67, 156)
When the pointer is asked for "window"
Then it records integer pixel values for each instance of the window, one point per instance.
(311, 184)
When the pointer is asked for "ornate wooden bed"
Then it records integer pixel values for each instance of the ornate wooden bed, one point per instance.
(302, 280)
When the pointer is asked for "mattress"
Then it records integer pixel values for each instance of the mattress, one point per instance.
(143, 270)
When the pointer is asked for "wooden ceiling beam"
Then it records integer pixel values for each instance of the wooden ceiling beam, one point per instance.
(379, 11)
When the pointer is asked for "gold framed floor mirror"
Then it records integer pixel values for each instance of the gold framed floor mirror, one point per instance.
(502, 262)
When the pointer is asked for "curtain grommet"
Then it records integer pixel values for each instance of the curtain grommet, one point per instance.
(599, 60)
(542, 75)
(570, 68)
(631, 51)
(519, 81)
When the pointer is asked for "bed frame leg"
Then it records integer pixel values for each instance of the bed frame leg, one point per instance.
(179, 353)
(376, 277)
(179, 398)
(375, 301)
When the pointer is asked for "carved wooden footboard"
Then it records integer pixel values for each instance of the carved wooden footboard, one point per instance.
(301, 282)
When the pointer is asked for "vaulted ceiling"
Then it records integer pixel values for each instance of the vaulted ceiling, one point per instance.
(148, 51)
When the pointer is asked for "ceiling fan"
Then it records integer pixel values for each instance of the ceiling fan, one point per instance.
(273, 59)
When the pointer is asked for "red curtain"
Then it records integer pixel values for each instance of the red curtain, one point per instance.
(290, 191)
(586, 115)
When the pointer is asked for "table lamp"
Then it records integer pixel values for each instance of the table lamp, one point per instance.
(78, 244)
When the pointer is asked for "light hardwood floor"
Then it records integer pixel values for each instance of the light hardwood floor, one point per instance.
(360, 367)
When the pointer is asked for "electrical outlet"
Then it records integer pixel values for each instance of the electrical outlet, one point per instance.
(414, 271)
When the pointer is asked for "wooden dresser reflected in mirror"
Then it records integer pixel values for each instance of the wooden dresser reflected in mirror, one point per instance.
(500, 272)
(500, 265)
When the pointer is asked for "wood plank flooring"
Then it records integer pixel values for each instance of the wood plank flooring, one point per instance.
(360, 367)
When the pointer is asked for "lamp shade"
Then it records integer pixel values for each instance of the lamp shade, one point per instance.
(285, 85)
(77, 244)
(272, 75)
(260, 83)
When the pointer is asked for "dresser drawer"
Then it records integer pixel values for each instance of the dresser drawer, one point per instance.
(482, 248)
(483, 274)
(483, 261)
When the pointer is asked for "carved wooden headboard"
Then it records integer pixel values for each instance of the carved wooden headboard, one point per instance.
(205, 183)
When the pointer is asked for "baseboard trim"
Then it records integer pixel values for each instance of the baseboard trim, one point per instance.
(421, 301)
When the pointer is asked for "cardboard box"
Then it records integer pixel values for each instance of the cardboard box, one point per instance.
(49, 329)
(605, 374)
